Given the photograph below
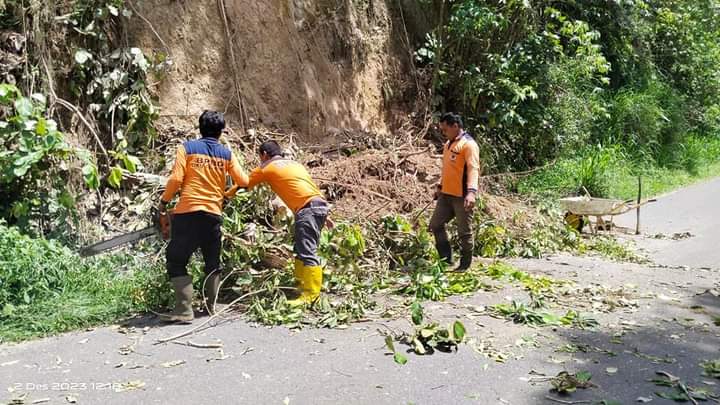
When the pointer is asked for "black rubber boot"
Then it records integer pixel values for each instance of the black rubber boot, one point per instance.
(183, 312)
(465, 262)
(444, 249)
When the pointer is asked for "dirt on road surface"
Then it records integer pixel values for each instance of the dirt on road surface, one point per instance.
(652, 318)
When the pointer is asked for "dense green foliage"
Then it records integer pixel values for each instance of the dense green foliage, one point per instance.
(612, 172)
(538, 79)
(34, 164)
(45, 288)
(104, 98)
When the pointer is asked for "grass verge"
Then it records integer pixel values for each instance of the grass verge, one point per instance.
(612, 173)
(46, 288)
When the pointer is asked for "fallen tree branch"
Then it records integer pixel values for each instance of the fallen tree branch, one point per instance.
(77, 112)
(353, 186)
(150, 178)
(201, 345)
(210, 318)
(404, 158)
(560, 401)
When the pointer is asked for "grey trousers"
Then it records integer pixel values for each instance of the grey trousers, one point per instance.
(447, 208)
(309, 222)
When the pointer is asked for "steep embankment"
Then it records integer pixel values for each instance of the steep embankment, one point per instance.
(314, 67)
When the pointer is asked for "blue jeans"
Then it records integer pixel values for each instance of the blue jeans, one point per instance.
(309, 222)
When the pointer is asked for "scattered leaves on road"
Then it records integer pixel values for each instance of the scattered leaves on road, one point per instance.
(173, 363)
(130, 386)
(565, 383)
(711, 368)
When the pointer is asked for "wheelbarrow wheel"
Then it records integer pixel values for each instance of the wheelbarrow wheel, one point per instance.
(575, 221)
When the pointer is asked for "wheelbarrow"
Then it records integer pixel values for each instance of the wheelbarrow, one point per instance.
(579, 209)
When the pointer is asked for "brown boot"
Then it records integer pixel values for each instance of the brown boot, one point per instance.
(183, 312)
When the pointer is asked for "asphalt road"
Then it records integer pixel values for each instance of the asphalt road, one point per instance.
(690, 215)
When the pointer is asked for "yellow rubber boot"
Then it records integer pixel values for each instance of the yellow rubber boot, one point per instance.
(309, 283)
(298, 273)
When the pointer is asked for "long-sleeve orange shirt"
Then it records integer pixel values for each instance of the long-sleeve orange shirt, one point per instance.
(461, 166)
(288, 179)
(199, 173)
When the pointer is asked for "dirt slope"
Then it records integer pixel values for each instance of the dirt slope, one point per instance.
(314, 67)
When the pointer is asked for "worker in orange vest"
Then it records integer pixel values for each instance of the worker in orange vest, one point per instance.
(199, 174)
(457, 190)
(292, 183)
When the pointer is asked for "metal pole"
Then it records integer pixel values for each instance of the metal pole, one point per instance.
(639, 196)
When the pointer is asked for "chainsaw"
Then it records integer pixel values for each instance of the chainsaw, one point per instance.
(161, 224)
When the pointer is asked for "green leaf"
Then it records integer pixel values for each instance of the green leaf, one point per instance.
(459, 331)
(131, 163)
(389, 343)
(551, 319)
(115, 177)
(82, 56)
(8, 309)
(8, 92)
(23, 164)
(583, 376)
(24, 106)
(66, 199)
(675, 396)
(41, 127)
(399, 358)
(417, 313)
(90, 175)
(19, 209)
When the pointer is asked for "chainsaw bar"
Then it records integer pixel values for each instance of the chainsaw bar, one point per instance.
(117, 241)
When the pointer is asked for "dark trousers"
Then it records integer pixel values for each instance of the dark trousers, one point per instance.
(190, 231)
(309, 221)
(447, 208)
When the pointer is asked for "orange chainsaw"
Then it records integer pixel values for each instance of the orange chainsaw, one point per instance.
(161, 223)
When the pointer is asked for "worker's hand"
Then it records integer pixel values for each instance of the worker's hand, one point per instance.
(162, 206)
(470, 201)
(229, 194)
(436, 194)
(329, 224)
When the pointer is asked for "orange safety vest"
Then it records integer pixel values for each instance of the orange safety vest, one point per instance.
(461, 166)
(288, 179)
(199, 173)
